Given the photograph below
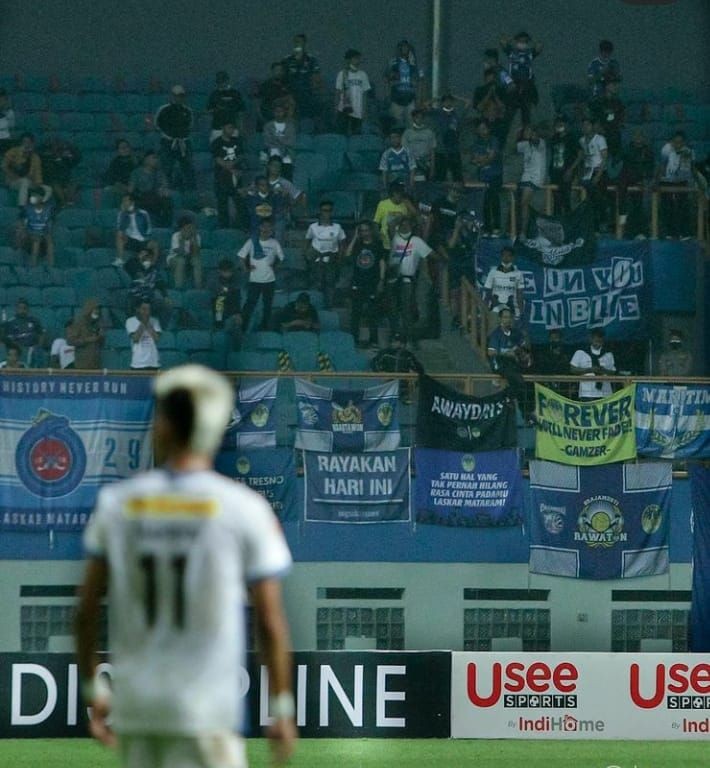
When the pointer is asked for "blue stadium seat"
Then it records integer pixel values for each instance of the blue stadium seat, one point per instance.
(108, 278)
(263, 340)
(228, 240)
(90, 140)
(304, 143)
(97, 257)
(330, 143)
(29, 102)
(247, 360)
(117, 338)
(47, 317)
(301, 341)
(162, 235)
(365, 142)
(172, 357)
(76, 121)
(115, 359)
(8, 216)
(106, 217)
(213, 358)
(73, 218)
(133, 102)
(345, 359)
(97, 102)
(62, 102)
(197, 298)
(167, 340)
(56, 296)
(193, 340)
(30, 294)
(315, 296)
(6, 198)
(329, 320)
(9, 255)
(332, 340)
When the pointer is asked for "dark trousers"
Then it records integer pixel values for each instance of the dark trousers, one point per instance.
(562, 196)
(596, 194)
(448, 161)
(363, 306)
(176, 162)
(224, 193)
(254, 291)
(347, 124)
(675, 211)
(401, 308)
(323, 276)
(491, 205)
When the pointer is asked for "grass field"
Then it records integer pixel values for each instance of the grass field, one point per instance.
(397, 753)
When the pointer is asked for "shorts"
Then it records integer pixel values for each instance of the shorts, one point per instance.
(214, 750)
(135, 246)
(528, 185)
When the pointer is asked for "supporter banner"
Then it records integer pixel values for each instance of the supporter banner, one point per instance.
(61, 438)
(584, 433)
(607, 522)
(555, 241)
(450, 420)
(610, 294)
(269, 471)
(357, 488)
(673, 422)
(596, 696)
(340, 694)
(345, 420)
(253, 423)
(700, 605)
(468, 489)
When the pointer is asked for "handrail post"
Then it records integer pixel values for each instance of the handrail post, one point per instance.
(654, 213)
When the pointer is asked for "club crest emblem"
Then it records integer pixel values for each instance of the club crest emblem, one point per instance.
(50, 459)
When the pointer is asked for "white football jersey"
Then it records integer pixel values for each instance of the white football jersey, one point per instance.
(181, 549)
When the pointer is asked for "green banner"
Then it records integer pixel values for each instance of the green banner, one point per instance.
(585, 433)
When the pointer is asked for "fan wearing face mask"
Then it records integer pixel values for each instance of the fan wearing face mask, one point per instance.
(86, 335)
(675, 360)
(593, 361)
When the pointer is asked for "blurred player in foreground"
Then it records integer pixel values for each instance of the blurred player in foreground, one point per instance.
(177, 548)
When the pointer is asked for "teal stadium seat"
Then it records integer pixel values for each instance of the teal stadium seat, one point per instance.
(263, 341)
(97, 102)
(194, 341)
(63, 102)
(56, 296)
(30, 294)
(76, 121)
(72, 217)
(117, 338)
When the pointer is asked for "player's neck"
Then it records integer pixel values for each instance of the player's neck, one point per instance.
(187, 462)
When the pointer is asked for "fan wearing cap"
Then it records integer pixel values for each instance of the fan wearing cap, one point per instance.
(178, 550)
(396, 358)
(351, 88)
(174, 121)
(675, 360)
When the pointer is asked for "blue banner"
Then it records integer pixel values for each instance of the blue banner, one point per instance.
(269, 471)
(357, 488)
(61, 438)
(700, 602)
(345, 420)
(673, 422)
(610, 294)
(468, 489)
(253, 422)
(605, 522)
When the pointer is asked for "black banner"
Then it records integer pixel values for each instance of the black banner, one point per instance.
(452, 421)
(374, 694)
(560, 241)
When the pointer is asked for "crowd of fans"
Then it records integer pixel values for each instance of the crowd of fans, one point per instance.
(389, 266)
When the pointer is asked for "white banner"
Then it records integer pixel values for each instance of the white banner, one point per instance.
(580, 695)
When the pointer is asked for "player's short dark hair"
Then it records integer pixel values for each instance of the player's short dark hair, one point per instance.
(507, 249)
(225, 264)
(184, 220)
(178, 407)
(491, 53)
(11, 345)
(120, 141)
(502, 310)
(606, 45)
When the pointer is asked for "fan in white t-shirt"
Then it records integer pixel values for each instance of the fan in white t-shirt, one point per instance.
(325, 239)
(591, 362)
(144, 331)
(62, 352)
(259, 256)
